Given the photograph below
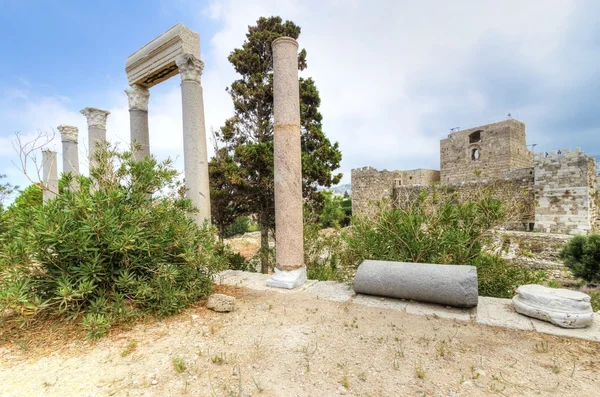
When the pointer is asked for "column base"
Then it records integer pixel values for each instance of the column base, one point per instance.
(288, 279)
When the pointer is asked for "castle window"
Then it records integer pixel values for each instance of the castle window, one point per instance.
(475, 154)
(475, 137)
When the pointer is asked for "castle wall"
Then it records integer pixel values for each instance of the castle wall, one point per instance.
(484, 152)
(369, 185)
(514, 188)
(565, 189)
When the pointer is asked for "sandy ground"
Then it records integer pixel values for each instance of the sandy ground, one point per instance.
(295, 345)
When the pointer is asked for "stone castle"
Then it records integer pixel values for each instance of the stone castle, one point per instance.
(559, 186)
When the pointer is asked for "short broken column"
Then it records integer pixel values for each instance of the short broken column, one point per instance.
(452, 285)
(195, 156)
(49, 175)
(96, 120)
(290, 271)
(68, 134)
(138, 97)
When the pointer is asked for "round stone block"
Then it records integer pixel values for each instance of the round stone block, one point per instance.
(562, 307)
(450, 285)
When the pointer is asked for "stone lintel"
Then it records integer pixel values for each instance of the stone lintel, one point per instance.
(68, 133)
(95, 117)
(155, 62)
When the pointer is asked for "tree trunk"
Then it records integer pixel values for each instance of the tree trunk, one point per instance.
(264, 242)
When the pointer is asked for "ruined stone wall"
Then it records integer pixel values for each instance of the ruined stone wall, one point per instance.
(515, 189)
(565, 189)
(420, 177)
(368, 185)
(484, 152)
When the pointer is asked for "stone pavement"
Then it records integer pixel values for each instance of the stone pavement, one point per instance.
(493, 312)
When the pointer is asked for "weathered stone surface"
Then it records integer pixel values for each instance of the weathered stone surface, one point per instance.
(290, 271)
(155, 62)
(562, 307)
(221, 303)
(195, 155)
(139, 132)
(69, 134)
(50, 174)
(444, 284)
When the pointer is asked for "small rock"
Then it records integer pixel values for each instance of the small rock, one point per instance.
(221, 303)
(154, 382)
(341, 390)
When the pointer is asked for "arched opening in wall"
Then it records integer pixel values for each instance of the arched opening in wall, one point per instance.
(475, 154)
(475, 137)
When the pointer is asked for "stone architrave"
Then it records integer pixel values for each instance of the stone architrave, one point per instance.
(50, 175)
(195, 155)
(452, 285)
(290, 271)
(96, 120)
(562, 307)
(155, 62)
(138, 97)
(68, 134)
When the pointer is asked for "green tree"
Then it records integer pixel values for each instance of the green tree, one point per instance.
(581, 255)
(247, 136)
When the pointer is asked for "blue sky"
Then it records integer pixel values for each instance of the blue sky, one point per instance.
(394, 76)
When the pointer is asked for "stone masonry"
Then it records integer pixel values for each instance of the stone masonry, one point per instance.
(565, 186)
(559, 190)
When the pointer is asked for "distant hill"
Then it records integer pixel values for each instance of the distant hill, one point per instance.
(339, 189)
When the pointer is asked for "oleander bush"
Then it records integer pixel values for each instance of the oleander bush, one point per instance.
(438, 227)
(121, 247)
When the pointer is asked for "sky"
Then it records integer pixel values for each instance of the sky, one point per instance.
(394, 76)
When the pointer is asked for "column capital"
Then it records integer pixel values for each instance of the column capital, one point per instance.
(68, 133)
(190, 67)
(138, 97)
(95, 117)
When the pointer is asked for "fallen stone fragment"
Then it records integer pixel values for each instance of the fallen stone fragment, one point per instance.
(562, 307)
(451, 285)
(221, 303)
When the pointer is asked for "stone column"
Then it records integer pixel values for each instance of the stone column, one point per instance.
(68, 134)
(138, 119)
(194, 136)
(96, 120)
(290, 271)
(50, 174)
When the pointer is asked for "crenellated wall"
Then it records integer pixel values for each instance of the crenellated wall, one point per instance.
(565, 190)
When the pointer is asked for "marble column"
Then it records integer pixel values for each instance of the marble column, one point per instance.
(68, 134)
(195, 155)
(138, 119)
(50, 175)
(96, 120)
(290, 271)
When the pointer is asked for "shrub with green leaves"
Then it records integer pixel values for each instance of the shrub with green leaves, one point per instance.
(581, 255)
(322, 253)
(438, 227)
(123, 247)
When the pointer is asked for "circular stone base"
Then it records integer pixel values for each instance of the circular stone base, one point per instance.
(561, 307)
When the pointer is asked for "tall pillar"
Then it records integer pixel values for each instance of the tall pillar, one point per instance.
(290, 271)
(96, 120)
(138, 118)
(50, 175)
(194, 136)
(68, 134)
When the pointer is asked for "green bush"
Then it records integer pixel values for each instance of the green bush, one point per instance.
(105, 254)
(322, 253)
(497, 278)
(240, 225)
(437, 228)
(581, 255)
